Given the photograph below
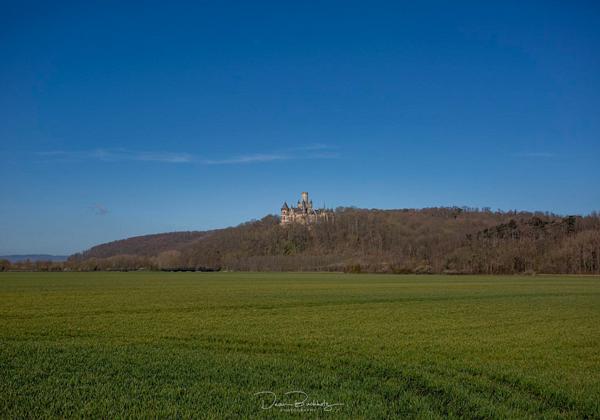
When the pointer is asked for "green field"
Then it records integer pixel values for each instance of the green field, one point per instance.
(204, 344)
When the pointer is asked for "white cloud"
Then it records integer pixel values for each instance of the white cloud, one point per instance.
(117, 155)
(314, 151)
(246, 159)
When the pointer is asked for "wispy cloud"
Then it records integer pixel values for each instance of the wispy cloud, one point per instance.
(325, 155)
(117, 155)
(99, 209)
(535, 155)
(253, 158)
(311, 151)
(314, 147)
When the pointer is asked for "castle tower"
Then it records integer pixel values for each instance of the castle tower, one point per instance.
(285, 212)
(304, 212)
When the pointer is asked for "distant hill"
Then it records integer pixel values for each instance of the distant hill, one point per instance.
(146, 245)
(34, 257)
(432, 240)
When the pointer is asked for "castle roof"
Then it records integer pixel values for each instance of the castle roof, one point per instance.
(285, 206)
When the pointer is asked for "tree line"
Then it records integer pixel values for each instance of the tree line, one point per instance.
(434, 240)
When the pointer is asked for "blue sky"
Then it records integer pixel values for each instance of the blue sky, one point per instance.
(120, 119)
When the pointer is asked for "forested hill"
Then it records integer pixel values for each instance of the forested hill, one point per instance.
(147, 245)
(434, 240)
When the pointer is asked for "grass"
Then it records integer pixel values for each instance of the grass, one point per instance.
(203, 344)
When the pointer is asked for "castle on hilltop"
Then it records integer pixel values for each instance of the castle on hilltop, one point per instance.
(304, 212)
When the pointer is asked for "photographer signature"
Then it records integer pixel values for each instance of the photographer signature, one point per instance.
(296, 401)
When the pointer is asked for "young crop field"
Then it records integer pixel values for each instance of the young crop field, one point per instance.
(239, 345)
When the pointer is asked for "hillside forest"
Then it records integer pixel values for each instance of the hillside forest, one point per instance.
(433, 240)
